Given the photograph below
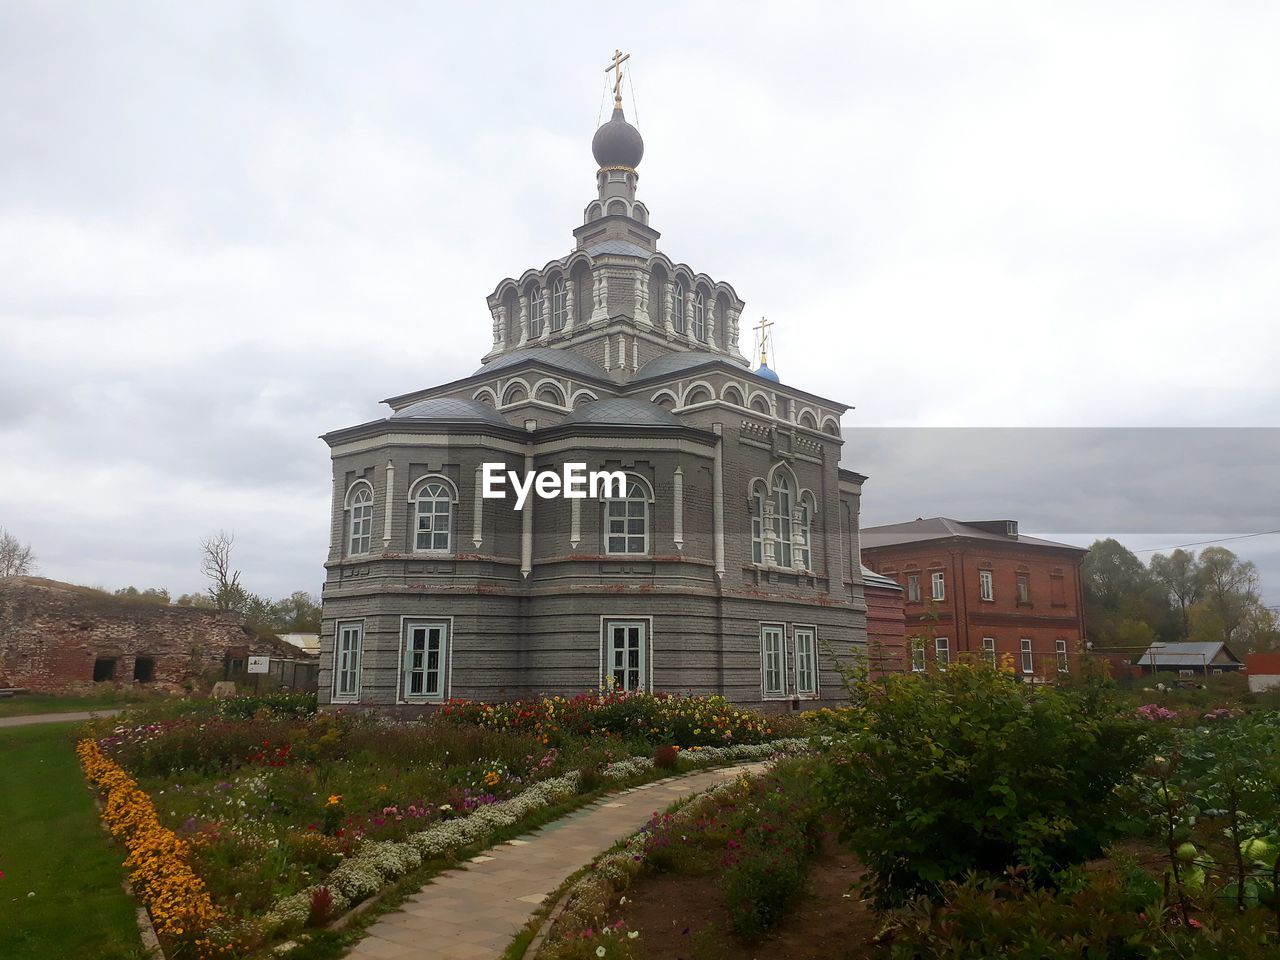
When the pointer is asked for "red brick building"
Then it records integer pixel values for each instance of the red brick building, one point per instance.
(886, 624)
(980, 588)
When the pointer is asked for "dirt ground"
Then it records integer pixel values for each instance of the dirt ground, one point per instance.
(684, 918)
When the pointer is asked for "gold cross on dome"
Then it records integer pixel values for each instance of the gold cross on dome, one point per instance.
(762, 332)
(616, 66)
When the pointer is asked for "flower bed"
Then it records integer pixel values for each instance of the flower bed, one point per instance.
(285, 819)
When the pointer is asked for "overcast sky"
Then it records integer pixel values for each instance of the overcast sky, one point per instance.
(227, 228)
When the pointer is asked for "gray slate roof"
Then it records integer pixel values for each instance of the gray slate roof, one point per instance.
(621, 411)
(565, 360)
(879, 579)
(451, 409)
(943, 528)
(624, 247)
(669, 363)
(1184, 654)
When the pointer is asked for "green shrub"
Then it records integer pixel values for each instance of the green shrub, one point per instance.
(972, 769)
(1108, 917)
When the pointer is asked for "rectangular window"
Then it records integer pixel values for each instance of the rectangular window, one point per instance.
(986, 583)
(426, 647)
(757, 527)
(917, 655)
(346, 660)
(1024, 588)
(625, 642)
(806, 662)
(913, 588)
(1028, 665)
(627, 524)
(939, 584)
(1061, 646)
(942, 650)
(433, 523)
(771, 659)
(361, 527)
(989, 649)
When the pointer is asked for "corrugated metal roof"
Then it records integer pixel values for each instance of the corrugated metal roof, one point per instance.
(942, 528)
(870, 576)
(1183, 654)
(1266, 664)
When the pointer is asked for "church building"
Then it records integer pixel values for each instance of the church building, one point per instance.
(727, 562)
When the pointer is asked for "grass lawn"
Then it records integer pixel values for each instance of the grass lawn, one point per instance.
(32, 703)
(51, 845)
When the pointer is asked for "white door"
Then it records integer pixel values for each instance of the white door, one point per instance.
(624, 656)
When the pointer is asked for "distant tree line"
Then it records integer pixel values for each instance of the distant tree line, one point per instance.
(1212, 596)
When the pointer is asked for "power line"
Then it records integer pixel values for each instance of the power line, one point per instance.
(1201, 543)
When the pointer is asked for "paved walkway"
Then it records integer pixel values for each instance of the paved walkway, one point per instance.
(55, 717)
(472, 913)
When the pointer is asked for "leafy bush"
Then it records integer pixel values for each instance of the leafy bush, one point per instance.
(665, 757)
(1106, 917)
(971, 769)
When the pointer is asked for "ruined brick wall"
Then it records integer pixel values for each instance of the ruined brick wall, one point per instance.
(52, 634)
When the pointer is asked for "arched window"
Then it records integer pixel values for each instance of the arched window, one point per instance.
(782, 499)
(699, 316)
(434, 512)
(677, 307)
(732, 395)
(559, 305)
(804, 544)
(697, 395)
(757, 522)
(759, 404)
(537, 309)
(627, 520)
(551, 395)
(359, 519)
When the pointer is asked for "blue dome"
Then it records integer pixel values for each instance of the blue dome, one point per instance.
(764, 373)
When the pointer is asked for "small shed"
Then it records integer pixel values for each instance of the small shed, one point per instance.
(1190, 659)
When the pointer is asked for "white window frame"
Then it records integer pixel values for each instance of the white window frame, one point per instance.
(758, 494)
(537, 312)
(1060, 647)
(677, 307)
(1028, 657)
(559, 305)
(699, 316)
(938, 585)
(918, 662)
(348, 661)
(773, 646)
(444, 669)
(643, 495)
(450, 494)
(804, 642)
(989, 649)
(913, 587)
(805, 524)
(645, 668)
(942, 652)
(1022, 588)
(359, 511)
(783, 496)
(986, 585)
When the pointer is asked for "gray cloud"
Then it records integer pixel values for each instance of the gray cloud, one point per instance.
(228, 229)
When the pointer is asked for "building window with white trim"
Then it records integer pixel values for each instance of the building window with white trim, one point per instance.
(559, 305)
(913, 588)
(938, 583)
(772, 660)
(359, 519)
(986, 584)
(942, 652)
(757, 522)
(989, 649)
(627, 520)
(677, 306)
(625, 654)
(1061, 647)
(917, 655)
(1024, 588)
(348, 647)
(806, 662)
(537, 308)
(782, 520)
(803, 548)
(1028, 662)
(434, 512)
(423, 670)
(699, 316)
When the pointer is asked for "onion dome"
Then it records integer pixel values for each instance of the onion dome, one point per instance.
(765, 373)
(617, 143)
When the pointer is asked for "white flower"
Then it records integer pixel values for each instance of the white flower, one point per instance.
(599, 951)
(632, 934)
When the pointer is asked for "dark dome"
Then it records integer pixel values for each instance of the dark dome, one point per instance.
(617, 143)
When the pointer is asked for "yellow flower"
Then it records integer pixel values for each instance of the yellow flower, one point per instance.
(334, 800)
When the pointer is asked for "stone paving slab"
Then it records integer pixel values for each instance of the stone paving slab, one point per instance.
(55, 717)
(472, 912)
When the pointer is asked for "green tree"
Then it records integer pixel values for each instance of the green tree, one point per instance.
(1180, 575)
(1230, 588)
(158, 595)
(1118, 587)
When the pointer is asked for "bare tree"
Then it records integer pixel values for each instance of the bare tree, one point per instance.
(16, 559)
(224, 583)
